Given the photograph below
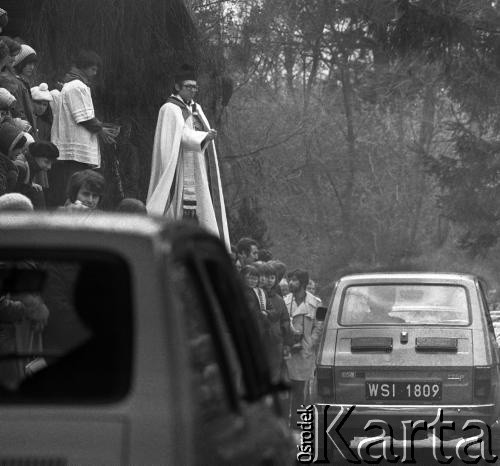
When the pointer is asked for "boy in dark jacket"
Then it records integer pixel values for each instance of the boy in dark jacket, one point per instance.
(250, 276)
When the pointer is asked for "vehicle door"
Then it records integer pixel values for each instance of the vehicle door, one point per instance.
(239, 420)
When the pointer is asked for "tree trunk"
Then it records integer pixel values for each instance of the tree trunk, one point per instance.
(316, 51)
(347, 195)
(424, 143)
(289, 63)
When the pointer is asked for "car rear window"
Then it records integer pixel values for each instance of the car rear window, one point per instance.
(405, 304)
(65, 327)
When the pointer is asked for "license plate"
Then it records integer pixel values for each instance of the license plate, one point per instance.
(403, 390)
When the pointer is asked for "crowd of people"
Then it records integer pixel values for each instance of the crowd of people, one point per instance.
(50, 139)
(284, 304)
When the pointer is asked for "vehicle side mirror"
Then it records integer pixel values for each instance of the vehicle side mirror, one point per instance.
(321, 313)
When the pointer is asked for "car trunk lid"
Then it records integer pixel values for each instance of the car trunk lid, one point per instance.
(395, 365)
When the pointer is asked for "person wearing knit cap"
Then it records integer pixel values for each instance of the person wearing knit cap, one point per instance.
(12, 202)
(185, 179)
(18, 86)
(24, 66)
(25, 61)
(26, 54)
(21, 163)
(12, 140)
(42, 97)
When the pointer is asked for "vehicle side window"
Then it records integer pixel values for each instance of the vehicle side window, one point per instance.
(212, 275)
(252, 366)
(211, 384)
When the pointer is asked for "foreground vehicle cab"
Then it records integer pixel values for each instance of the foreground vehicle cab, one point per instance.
(400, 346)
(147, 355)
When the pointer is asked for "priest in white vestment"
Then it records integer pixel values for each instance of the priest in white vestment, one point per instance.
(185, 177)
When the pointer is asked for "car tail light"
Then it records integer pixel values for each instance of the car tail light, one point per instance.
(482, 382)
(324, 377)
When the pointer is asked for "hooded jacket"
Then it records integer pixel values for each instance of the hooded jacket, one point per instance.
(9, 137)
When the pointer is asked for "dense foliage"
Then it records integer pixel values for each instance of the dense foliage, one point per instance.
(365, 129)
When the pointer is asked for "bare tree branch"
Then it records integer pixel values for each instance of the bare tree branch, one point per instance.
(255, 152)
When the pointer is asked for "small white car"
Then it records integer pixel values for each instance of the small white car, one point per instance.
(398, 347)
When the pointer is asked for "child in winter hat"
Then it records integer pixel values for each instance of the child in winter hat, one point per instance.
(41, 97)
(25, 57)
(41, 93)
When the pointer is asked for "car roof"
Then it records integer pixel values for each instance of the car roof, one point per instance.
(104, 228)
(130, 224)
(424, 277)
